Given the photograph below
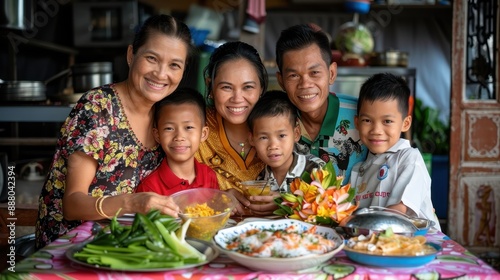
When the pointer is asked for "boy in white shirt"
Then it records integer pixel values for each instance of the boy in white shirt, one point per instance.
(394, 174)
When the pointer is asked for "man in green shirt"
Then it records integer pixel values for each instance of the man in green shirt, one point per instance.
(306, 72)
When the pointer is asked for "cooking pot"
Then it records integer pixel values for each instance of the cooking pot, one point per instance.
(90, 75)
(392, 58)
(16, 14)
(22, 91)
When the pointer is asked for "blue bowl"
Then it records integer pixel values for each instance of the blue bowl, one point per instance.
(357, 7)
(392, 261)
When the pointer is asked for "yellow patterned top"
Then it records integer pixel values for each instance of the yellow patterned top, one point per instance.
(217, 153)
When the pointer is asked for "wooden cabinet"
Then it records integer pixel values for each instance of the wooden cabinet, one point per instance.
(24, 218)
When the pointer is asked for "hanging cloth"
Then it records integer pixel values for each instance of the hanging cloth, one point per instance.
(256, 10)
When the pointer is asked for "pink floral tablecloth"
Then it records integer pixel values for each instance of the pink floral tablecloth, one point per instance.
(453, 262)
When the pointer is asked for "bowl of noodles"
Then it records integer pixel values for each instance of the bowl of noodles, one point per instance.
(386, 249)
(208, 209)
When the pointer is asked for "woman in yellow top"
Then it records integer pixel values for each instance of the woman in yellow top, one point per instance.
(236, 78)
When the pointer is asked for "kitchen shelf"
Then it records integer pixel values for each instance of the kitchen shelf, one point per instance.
(34, 113)
(43, 123)
(371, 70)
(405, 9)
(33, 141)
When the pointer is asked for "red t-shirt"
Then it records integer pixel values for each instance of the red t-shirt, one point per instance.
(163, 181)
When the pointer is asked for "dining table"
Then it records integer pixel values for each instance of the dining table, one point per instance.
(51, 262)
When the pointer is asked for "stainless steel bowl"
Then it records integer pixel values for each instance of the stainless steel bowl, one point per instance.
(368, 221)
(392, 58)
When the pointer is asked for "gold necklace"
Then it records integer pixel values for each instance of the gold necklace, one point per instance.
(242, 145)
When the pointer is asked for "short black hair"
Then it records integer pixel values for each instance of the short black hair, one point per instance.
(302, 36)
(273, 103)
(182, 96)
(385, 87)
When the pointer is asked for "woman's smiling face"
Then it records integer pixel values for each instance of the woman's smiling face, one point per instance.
(158, 66)
(236, 89)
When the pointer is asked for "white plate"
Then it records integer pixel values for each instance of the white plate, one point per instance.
(259, 219)
(225, 236)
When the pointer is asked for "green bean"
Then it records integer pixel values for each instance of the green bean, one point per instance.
(109, 248)
(119, 264)
(150, 230)
(153, 247)
(135, 225)
(134, 240)
(153, 214)
(106, 239)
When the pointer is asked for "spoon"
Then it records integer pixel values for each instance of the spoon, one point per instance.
(268, 184)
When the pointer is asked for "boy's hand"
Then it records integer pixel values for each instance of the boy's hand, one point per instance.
(263, 204)
(241, 207)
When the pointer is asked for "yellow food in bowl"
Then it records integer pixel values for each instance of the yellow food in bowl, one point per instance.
(208, 209)
(205, 221)
(200, 210)
(255, 188)
(258, 190)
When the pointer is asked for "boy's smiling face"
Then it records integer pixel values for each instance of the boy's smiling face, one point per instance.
(180, 131)
(274, 139)
(380, 124)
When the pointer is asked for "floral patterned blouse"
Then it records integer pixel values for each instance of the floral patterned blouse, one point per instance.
(97, 126)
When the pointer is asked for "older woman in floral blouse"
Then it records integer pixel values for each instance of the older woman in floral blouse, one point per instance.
(106, 146)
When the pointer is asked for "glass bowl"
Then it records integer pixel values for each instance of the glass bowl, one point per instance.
(256, 187)
(204, 224)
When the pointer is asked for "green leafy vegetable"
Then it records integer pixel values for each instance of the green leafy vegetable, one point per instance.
(153, 240)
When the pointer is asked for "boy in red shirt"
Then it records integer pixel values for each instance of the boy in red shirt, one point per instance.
(180, 128)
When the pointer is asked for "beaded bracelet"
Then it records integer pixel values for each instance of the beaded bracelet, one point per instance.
(98, 207)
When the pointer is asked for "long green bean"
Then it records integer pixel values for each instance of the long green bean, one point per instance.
(150, 242)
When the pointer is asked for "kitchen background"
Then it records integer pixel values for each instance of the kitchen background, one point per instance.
(52, 57)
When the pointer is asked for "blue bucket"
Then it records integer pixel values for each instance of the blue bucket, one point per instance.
(198, 35)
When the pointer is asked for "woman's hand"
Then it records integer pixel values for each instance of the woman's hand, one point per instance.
(145, 201)
(78, 205)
